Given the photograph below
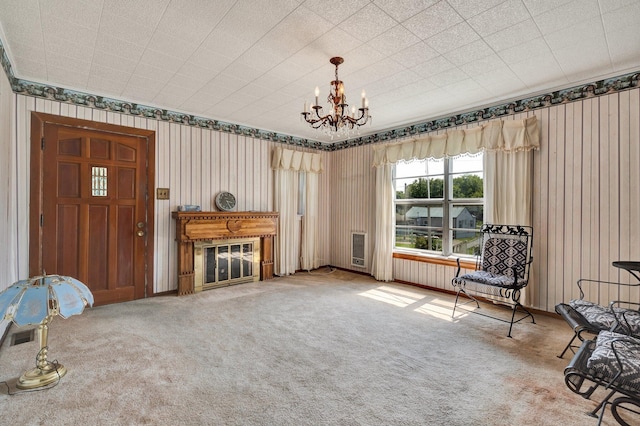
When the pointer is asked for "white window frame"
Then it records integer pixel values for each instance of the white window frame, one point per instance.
(447, 203)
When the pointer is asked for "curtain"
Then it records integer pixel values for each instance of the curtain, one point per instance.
(294, 248)
(382, 264)
(508, 162)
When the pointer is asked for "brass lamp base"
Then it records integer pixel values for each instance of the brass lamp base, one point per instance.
(37, 377)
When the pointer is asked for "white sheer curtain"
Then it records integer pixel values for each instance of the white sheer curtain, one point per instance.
(500, 140)
(382, 264)
(293, 248)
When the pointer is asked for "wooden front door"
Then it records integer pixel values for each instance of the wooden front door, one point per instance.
(94, 220)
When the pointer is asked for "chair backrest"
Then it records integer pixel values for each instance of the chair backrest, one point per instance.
(505, 247)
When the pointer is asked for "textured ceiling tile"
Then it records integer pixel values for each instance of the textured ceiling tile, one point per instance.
(122, 65)
(367, 23)
(495, 77)
(30, 69)
(467, 8)
(161, 60)
(483, 65)
(627, 16)
(242, 71)
(500, 17)
(611, 5)
(577, 66)
(433, 20)
(127, 29)
(335, 11)
(448, 77)
(513, 36)
(78, 11)
(529, 72)
(362, 57)
(153, 72)
(414, 55)
(224, 43)
(433, 67)
(397, 38)
(214, 62)
(70, 48)
(202, 17)
(623, 48)
(537, 7)
(401, 10)
(453, 38)
(524, 51)
(576, 36)
(107, 72)
(67, 30)
(572, 13)
(68, 76)
(306, 25)
(335, 42)
(105, 87)
(249, 20)
(468, 53)
(194, 73)
(152, 10)
(66, 62)
(118, 46)
(172, 46)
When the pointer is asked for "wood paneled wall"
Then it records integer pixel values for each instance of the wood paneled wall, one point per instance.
(586, 191)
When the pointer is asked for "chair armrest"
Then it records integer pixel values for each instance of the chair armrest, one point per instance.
(584, 281)
(458, 271)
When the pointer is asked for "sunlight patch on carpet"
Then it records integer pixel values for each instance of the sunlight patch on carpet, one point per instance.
(393, 296)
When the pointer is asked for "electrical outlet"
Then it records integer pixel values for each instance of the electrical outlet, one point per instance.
(162, 194)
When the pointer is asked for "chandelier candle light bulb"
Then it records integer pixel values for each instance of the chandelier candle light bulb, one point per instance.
(338, 121)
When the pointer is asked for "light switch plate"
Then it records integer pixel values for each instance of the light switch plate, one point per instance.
(162, 194)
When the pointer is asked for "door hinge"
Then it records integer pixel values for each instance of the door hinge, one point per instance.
(42, 144)
(41, 220)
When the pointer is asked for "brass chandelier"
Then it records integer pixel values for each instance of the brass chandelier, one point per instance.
(338, 120)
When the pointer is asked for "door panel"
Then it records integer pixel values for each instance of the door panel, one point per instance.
(94, 195)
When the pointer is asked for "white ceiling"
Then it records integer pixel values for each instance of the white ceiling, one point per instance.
(255, 62)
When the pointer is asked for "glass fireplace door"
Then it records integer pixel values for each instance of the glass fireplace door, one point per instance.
(227, 264)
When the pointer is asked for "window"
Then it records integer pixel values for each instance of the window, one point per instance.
(439, 205)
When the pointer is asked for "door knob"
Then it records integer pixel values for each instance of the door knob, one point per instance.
(140, 225)
(140, 233)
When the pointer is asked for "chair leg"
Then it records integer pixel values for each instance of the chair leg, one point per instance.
(602, 406)
(568, 346)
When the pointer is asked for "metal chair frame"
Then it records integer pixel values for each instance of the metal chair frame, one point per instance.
(579, 324)
(577, 375)
(515, 270)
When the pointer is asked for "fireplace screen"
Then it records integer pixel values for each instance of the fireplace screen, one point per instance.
(224, 263)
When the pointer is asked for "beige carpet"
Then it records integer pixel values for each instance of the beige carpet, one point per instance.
(321, 349)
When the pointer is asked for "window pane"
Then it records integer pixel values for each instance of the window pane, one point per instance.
(467, 185)
(420, 168)
(419, 238)
(99, 181)
(465, 230)
(467, 164)
(420, 188)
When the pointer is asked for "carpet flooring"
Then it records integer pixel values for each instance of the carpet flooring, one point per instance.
(310, 349)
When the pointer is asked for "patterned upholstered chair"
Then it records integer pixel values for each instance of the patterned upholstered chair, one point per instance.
(502, 271)
(613, 362)
(589, 318)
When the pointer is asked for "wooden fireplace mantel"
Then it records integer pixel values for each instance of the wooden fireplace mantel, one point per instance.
(201, 226)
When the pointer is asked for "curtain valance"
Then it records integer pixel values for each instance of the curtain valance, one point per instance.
(288, 159)
(496, 135)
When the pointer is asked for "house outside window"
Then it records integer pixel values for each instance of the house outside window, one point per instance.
(439, 205)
